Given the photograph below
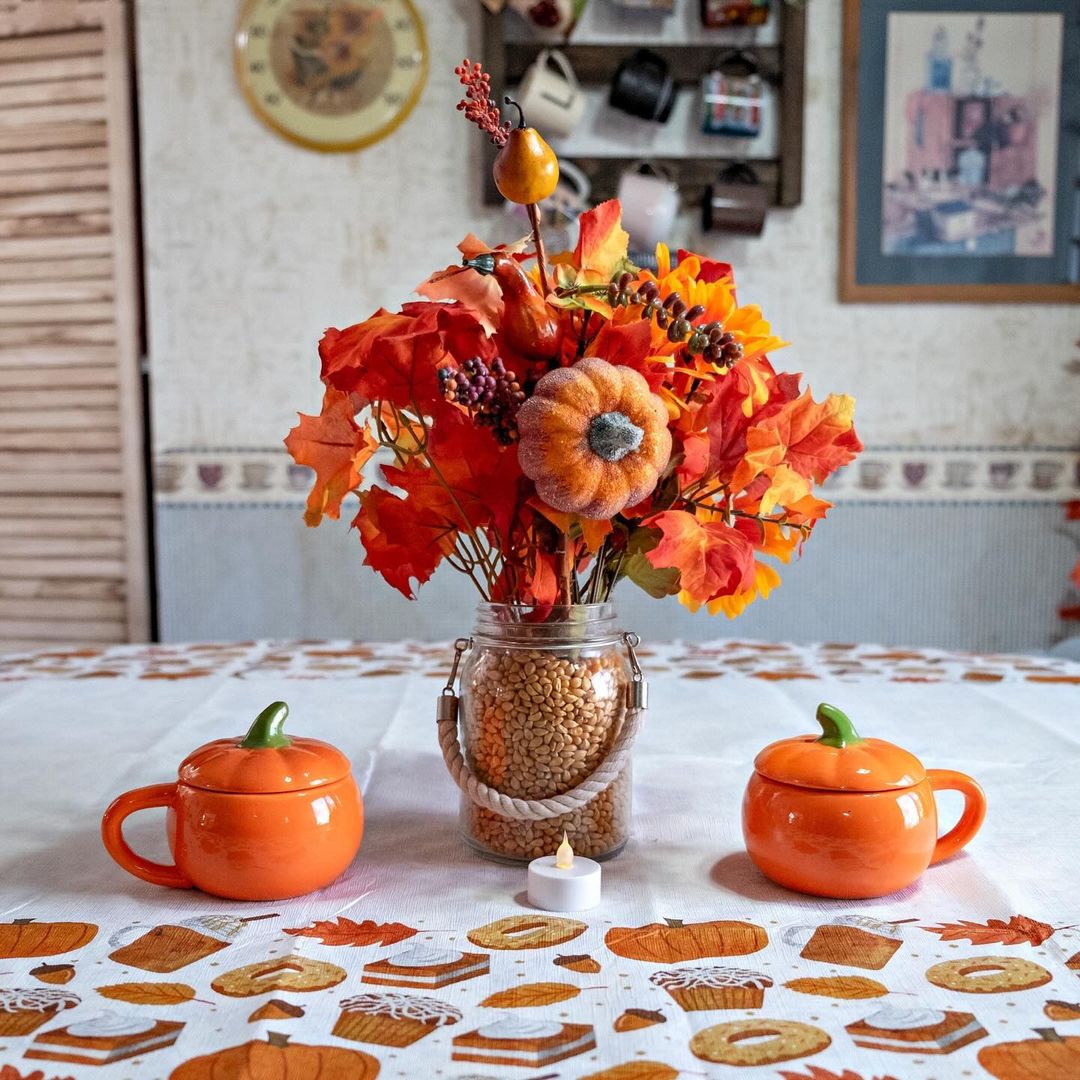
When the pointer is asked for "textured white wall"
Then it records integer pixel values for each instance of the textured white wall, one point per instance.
(254, 245)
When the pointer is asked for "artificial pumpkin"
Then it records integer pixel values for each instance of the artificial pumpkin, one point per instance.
(526, 169)
(672, 940)
(1049, 1057)
(594, 438)
(24, 937)
(278, 1059)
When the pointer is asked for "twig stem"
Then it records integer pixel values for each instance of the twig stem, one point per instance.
(538, 246)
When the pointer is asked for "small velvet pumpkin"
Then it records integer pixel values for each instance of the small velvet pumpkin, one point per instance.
(594, 438)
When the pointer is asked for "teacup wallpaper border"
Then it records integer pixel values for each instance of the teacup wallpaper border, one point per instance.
(960, 162)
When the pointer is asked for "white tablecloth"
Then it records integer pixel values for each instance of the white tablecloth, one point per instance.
(78, 728)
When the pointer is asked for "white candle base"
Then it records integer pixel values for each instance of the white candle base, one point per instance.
(576, 888)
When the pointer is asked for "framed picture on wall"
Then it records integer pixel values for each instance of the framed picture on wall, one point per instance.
(960, 177)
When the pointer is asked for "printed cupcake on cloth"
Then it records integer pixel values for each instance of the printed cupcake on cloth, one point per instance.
(392, 1019)
(172, 946)
(848, 940)
(916, 1031)
(104, 1038)
(699, 989)
(515, 1041)
(24, 1011)
(425, 968)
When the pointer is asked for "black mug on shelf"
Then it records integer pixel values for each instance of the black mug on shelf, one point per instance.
(735, 202)
(643, 87)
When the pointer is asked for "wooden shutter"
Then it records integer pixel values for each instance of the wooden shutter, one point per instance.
(73, 544)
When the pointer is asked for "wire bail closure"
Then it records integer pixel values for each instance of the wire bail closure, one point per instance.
(446, 711)
(637, 692)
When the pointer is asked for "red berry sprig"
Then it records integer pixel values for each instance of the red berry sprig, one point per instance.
(478, 105)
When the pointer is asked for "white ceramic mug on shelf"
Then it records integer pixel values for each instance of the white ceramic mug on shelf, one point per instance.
(650, 201)
(550, 95)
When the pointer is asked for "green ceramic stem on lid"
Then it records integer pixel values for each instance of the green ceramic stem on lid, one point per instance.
(838, 729)
(267, 731)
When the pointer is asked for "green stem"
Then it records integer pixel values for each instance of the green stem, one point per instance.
(267, 731)
(838, 729)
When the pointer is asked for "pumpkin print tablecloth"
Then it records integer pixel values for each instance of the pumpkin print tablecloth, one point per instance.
(425, 962)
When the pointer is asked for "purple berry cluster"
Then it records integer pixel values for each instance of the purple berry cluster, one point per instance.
(491, 394)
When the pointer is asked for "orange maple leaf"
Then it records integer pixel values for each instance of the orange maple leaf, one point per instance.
(601, 247)
(712, 558)
(819, 437)
(342, 931)
(1019, 930)
(336, 447)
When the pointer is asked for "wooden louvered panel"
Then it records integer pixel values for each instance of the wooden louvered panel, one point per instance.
(73, 563)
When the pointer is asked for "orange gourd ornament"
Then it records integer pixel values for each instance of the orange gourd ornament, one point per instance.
(526, 169)
(593, 438)
(1049, 1057)
(672, 941)
(280, 1059)
(528, 325)
(24, 937)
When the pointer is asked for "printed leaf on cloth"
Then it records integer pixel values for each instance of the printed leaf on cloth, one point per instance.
(1017, 930)
(531, 995)
(343, 931)
(636, 1070)
(148, 993)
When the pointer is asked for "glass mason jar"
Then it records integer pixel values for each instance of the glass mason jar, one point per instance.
(542, 701)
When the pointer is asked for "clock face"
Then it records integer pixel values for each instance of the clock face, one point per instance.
(331, 74)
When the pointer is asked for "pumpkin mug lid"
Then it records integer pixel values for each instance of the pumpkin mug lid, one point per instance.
(265, 760)
(839, 759)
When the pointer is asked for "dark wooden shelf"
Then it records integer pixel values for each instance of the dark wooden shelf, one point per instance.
(782, 64)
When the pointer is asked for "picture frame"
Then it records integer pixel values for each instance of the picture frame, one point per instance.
(960, 159)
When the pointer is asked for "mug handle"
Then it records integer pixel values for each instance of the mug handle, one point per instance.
(112, 836)
(962, 833)
(562, 63)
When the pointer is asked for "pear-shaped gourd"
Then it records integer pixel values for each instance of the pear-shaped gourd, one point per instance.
(526, 169)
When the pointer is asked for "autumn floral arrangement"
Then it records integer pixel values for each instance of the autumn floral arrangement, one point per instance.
(554, 425)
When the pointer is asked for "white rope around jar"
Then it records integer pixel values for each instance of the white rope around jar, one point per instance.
(606, 773)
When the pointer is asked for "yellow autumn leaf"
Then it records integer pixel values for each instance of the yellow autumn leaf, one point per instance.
(149, 993)
(636, 1070)
(531, 994)
(839, 986)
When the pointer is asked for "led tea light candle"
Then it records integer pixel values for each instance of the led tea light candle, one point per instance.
(563, 881)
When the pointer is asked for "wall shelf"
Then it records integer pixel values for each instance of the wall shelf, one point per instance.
(608, 141)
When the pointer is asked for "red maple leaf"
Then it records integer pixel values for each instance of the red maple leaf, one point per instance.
(342, 931)
(403, 540)
(1018, 930)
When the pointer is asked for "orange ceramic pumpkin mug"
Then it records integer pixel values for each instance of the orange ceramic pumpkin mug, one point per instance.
(848, 817)
(262, 817)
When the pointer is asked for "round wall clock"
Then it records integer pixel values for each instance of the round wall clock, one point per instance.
(331, 74)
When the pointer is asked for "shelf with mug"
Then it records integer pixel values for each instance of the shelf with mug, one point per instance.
(605, 131)
(605, 23)
(597, 63)
(605, 140)
(692, 176)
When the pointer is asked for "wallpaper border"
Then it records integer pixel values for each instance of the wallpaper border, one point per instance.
(957, 474)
